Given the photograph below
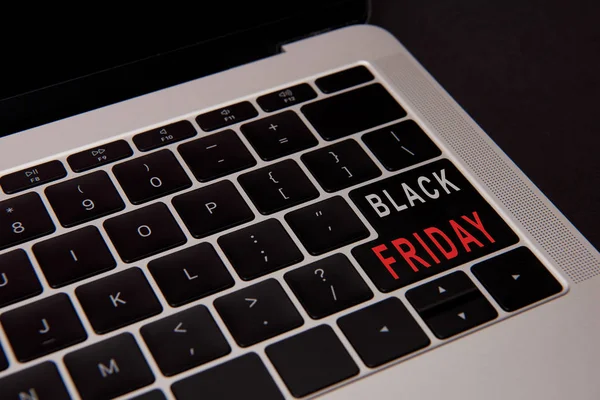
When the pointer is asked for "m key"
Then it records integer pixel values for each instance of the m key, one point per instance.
(109, 369)
(118, 300)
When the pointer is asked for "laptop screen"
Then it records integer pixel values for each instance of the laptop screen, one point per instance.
(75, 65)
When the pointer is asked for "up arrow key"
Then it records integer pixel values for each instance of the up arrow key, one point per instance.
(384, 329)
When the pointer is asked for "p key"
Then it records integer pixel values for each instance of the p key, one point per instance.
(152, 176)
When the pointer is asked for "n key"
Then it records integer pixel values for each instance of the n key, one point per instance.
(36, 383)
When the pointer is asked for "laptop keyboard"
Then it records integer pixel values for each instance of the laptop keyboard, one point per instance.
(190, 259)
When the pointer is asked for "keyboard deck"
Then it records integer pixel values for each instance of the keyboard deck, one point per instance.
(294, 240)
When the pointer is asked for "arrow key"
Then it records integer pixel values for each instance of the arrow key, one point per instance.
(185, 340)
(383, 332)
(455, 317)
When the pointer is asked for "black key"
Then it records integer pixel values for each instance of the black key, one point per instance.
(32, 177)
(429, 219)
(84, 199)
(39, 382)
(101, 155)
(164, 135)
(153, 395)
(516, 279)
(43, 327)
(451, 305)
(73, 256)
(226, 116)
(118, 300)
(216, 155)
(352, 112)
(212, 209)
(152, 176)
(259, 249)
(258, 312)
(401, 145)
(18, 281)
(190, 274)
(23, 218)
(144, 232)
(311, 361)
(3, 361)
(185, 340)
(328, 286)
(326, 225)
(252, 381)
(340, 165)
(383, 332)
(278, 186)
(286, 97)
(278, 135)
(344, 79)
(109, 369)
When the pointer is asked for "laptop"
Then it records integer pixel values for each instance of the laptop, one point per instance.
(273, 202)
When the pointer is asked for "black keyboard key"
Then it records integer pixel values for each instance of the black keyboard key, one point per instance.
(252, 381)
(278, 135)
(18, 281)
(451, 304)
(109, 369)
(516, 279)
(226, 116)
(328, 286)
(340, 165)
(190, 274)
(352, 112)
(73, 256)
(278, 186)
(429, 219)
(32, 177)
(84, 199)
(164, 135)
(100, 155)
(212, 209)
(326, 225)
(185, 340)
(152, 176)
(153, 395)
(286, 97)
(259, 249)
(383, 332)
(401, 145)
(39, 382)
(216, 155)
(3, 361)
(144, 232)
(344, 79)
(43, 327)
(311, 361)
(258, 312)
(23, 218)
(118, 300)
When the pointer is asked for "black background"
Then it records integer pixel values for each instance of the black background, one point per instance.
(528, 72)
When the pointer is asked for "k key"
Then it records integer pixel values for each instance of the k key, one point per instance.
(23, 218)
(152, 176)
(118, 300)
(43, 327)
(73, 256)
(84, 199)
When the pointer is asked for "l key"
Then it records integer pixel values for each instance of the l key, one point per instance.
(84, 199)
(152, 176)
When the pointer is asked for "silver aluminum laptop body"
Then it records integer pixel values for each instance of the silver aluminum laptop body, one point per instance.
(545, 351)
